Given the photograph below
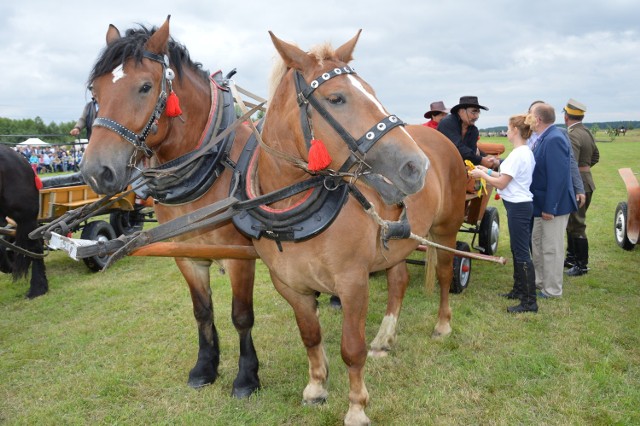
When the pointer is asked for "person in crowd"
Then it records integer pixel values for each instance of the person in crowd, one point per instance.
(437, 111)
(89, 113)
(34, 161)
(512, 182)
(553, 200)
(460, 128)
(587, 155)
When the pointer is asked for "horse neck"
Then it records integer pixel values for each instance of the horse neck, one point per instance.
(183, 133)
(284, 136)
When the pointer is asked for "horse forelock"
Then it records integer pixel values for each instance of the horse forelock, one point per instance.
(321, 52)
(132, 44)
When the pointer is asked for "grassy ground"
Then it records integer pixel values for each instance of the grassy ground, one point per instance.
(116, 347)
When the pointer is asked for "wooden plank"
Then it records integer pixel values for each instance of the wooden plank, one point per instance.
(633, 204)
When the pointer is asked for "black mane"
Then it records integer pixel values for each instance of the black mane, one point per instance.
(132, 46)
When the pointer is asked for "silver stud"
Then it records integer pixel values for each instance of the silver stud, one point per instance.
(393, 119)
(370, 136)
(326, 76)
(337, 71)
(381, 126)
(314, 84)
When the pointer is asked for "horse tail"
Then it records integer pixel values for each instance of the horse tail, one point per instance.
(22, 262)
(430, 269)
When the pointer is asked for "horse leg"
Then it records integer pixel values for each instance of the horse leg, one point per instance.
(196, 273)
(397, 282)
(305, 310)
(38, 282)
(354, 352)
(242, 273)
(444, 271)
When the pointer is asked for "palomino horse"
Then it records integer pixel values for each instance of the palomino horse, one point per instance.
(318, 96)
(133, 79)
(20, 201)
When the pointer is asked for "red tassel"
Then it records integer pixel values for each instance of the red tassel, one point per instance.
(38, 182)
(496, 197)
(173, 105)
(319, 157)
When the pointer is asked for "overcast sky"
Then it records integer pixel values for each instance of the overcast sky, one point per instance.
(413, 52)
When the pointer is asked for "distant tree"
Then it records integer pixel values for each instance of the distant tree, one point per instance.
(594, 130)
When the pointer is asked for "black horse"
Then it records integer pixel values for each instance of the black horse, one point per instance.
(20, 201)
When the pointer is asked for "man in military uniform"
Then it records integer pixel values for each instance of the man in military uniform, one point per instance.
(587, 155)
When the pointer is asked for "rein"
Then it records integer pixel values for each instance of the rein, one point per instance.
(138, 140)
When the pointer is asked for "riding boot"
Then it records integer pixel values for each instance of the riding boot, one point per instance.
(582, 258)
(570, 259)
(517, 290)
(528, 302)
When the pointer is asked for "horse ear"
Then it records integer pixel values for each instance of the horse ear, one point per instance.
(292, 55)
(345, 52)
(157, 43)
(113, 34)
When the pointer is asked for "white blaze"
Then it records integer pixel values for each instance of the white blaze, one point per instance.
(118, 73)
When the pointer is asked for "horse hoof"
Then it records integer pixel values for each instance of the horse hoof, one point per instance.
(242, 393)
(335, 303)
(378, 353)
(34, 294)
(315, 401)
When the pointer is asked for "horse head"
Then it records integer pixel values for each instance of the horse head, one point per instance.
(132, 80)
(334, 103)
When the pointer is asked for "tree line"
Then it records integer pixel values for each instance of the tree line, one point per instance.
(16, 131)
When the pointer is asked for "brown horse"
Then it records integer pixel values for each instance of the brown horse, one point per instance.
(134, 78)
(318, 96)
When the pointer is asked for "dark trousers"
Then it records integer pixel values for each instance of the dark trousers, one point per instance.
(519, 220)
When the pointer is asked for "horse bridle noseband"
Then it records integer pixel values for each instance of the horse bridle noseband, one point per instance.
(138, 140)
(357, 147)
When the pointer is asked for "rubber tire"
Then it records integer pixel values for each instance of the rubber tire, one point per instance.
(620, 227)
(490, 231)
(461, 277)
(98, 230)
(126, 222)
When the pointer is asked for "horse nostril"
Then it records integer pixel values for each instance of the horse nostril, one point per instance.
(107, 175)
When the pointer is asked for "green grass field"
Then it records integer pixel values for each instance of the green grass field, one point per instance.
(116, 347)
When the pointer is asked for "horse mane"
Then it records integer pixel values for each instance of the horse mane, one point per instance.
(131, 45)
(321, 52)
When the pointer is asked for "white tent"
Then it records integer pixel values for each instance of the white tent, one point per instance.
(34, 142)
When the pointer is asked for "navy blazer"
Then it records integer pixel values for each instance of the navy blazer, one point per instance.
(551, 184)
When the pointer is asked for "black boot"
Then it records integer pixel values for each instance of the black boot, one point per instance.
(570, 259)
(528, 279)
(582, 258)
(517, 290)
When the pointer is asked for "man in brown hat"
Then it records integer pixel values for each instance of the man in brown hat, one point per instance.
(587, 155)
(459, 126)
(436, 113)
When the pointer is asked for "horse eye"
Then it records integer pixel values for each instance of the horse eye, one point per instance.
(145, 88)
(336, 100)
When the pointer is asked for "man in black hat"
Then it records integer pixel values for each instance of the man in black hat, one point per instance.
(459, 126)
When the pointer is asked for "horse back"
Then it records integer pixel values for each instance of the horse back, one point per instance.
(19, 197)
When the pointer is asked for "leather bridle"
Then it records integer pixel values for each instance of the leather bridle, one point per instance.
(138, 140)
(358, 147)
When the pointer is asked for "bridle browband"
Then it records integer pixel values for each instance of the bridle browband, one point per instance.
(138, 140)
(358, 147)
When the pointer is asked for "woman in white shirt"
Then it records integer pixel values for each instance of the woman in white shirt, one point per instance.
(512, 181)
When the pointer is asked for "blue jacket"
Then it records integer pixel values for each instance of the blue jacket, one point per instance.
(551, 184)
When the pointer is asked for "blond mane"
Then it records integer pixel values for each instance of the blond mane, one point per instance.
(279, 69)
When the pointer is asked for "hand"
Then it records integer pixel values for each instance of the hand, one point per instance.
(75, 131)
(478, 172)
(547, 216)
(581, 199)
(487, 162)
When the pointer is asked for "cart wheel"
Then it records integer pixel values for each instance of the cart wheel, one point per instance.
(490, 231)
(126, 222)
(98, 230)
(620, 227)
(461, 269)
